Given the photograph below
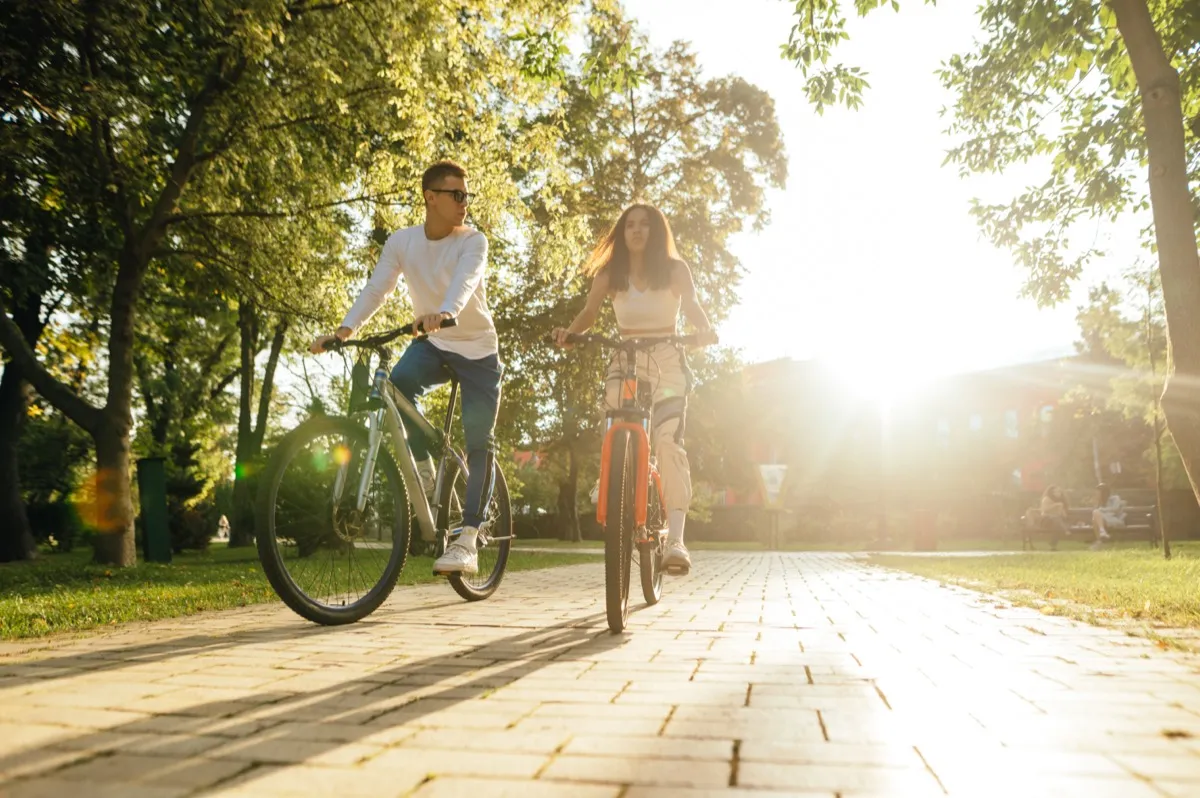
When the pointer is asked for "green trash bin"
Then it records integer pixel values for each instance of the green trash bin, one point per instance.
(152, 496)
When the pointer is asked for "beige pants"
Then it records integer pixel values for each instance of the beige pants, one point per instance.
(667, 372)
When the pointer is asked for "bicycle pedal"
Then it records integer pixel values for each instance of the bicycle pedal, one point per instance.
(677, 570)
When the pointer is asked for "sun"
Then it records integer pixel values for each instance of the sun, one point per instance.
(880, 374)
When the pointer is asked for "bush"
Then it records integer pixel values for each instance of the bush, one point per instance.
(191, 529)
(57, 524)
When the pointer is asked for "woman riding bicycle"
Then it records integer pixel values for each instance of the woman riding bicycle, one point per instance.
(637, 265)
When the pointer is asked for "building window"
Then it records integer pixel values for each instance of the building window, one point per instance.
(975, 422)
(1046, 414)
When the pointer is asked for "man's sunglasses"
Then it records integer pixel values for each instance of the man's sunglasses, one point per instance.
(459, 196)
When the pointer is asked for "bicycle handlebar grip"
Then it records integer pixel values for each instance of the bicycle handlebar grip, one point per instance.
(410, 329)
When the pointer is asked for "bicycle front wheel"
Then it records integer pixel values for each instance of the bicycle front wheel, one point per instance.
(330, 561)
(495, 535)
(618, 530)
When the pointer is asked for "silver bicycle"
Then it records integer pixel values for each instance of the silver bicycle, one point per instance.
(335, 505)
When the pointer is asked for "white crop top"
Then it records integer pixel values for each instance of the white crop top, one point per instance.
(652, 309)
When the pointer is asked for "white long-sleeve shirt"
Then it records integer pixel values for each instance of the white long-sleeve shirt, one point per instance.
(443, 276)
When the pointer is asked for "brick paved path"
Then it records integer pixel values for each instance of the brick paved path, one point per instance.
(758, 675)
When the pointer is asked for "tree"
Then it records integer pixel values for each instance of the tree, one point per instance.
(1133, 333)
(184, 364)
(1096, 92)
(117, 112)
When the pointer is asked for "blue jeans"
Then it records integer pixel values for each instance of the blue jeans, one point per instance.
(423, 366)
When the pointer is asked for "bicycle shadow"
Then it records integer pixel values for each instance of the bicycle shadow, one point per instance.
(408, 691)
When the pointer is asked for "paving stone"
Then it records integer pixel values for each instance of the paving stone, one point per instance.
(786, 674)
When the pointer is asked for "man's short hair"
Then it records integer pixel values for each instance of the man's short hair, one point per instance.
(435, 174)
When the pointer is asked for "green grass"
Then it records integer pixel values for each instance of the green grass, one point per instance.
(1122, 585)
(68, 593)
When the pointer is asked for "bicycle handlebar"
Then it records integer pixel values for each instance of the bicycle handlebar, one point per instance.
(383, 338)
(632, 343)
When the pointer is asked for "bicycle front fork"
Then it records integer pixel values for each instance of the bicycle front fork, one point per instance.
(374, 438)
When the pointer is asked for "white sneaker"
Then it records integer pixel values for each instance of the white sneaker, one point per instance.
(458, 559)
(677, 560)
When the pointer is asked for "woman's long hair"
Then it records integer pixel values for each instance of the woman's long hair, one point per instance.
(612, 254)
(1061, 495)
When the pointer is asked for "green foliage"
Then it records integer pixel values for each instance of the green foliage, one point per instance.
(212, 155)
(1125, 329)
(54, 456)
(1048, 83)
(56, 524)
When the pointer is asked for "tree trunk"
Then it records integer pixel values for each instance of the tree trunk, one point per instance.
(16, 540)
(112, 508)
(1174, 225)
(241, 529)
(568, 504)
(113, 500)
(1157, 427)
(251, 431)
(1160, 516)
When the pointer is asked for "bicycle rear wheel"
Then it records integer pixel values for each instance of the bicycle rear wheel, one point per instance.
(618, 530)
(495, 536)
(329, 561)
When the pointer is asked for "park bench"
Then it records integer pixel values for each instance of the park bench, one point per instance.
(1140, 524)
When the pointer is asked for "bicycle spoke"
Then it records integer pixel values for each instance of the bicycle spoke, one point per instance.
(317, 541)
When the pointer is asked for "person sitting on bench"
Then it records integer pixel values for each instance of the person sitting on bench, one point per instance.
(1109, 514)
(1054, 514)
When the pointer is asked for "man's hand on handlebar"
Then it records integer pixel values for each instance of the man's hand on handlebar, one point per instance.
(321, 342)
(423, 325)
(436, 321)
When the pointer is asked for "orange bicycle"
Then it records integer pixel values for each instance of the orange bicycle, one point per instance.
(632, 514)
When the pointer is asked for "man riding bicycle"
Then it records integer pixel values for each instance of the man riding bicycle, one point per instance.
(443, 263)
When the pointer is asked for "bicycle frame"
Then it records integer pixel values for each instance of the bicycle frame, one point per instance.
(637, 422)
(387, 417)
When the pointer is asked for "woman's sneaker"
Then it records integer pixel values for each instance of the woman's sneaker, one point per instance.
(677, 561)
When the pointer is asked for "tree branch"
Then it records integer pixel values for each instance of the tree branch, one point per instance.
(297, 10)
(143, 374)
(183, 217)
(75, 408)
(268, 384)
(186, 158)
(191, 401)
(224, 383)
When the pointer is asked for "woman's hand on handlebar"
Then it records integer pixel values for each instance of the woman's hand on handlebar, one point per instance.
(321, 342)
(559, 336)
